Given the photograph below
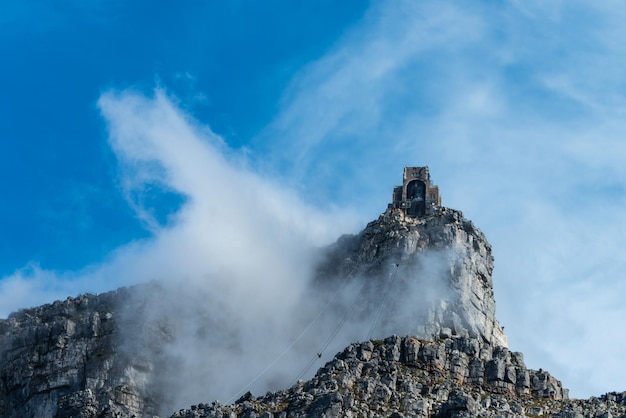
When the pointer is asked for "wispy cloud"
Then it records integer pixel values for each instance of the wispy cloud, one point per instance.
(239, 251)
(518, 109)
(227, 210)
(345, 107)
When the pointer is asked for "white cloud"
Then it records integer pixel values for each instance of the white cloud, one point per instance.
(521, 123)
(518, 109)
(239, 250)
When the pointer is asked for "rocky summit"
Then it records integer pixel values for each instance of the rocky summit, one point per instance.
(442, 261)
(427, 278)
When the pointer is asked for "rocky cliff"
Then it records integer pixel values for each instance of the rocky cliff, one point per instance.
(70, 359)
(428, 278)
(406, 377)
(443, 263)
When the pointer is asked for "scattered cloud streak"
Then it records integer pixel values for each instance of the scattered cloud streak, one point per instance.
(233, 261)
(518, 109)
(239, 252)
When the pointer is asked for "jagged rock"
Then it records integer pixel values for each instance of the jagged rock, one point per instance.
(431, 384)
(458, 405)
(444, 256)
(98, 356)
(66, 360)
(80, 404)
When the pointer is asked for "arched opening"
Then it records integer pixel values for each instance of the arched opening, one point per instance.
(416, 195)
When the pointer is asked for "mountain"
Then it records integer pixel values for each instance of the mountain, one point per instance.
(66, 359)
(406, 377)
(435, 270)
(420, 270)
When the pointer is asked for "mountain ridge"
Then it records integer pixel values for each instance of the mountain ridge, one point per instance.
(427, 277)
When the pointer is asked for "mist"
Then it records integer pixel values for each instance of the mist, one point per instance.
(517, 107)
(233, 262)
(211, 343)
(232, 294)
(235, 301)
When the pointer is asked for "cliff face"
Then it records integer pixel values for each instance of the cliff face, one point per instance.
(428, 278)
(71, 359)
(442, 262)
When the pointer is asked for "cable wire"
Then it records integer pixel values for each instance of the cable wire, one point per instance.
(332, 335)
(382, 303)
(306, 329)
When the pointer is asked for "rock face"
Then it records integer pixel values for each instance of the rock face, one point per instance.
(407, 377)
(428, 278)
(67, 359)
(442, 262)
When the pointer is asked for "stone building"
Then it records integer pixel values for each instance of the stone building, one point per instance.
(417, 197)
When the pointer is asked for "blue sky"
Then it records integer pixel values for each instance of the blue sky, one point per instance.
(129, 132)
(219, 58)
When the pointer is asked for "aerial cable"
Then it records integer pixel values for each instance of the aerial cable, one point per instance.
(304, 331)
(343, 321)
(332, 335)
(382, 303)
(318, 354)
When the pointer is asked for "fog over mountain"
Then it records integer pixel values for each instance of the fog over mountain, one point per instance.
(220, 157)
(175, 348)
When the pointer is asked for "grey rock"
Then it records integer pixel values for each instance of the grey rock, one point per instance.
(444, 258)
(425, 386)
(65, 360)
(97, 355)
(459, 404)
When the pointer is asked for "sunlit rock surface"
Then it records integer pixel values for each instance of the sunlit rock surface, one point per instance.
(408, 377)
(442, 262)
(427, 278)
